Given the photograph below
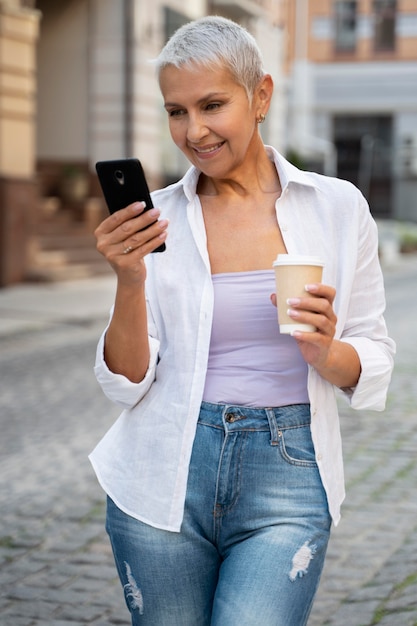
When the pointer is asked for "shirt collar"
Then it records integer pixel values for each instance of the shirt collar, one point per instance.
(288, 173)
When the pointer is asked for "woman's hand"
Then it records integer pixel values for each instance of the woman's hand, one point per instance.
(315, 309)
(335, 361)
(123, 242)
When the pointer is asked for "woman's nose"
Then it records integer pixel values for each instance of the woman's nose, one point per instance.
(196, 129)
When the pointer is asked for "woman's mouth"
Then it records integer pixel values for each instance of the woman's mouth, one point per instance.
(208, 150)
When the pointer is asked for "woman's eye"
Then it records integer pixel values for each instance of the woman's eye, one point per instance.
(213, 105)
(175, 112)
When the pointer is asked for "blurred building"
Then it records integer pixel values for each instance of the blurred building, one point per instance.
(352, 95)
(95, 97)
(77, 86)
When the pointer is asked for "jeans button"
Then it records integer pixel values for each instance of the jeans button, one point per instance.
(234, 417)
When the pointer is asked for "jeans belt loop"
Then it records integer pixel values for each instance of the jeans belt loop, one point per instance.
(273, 426)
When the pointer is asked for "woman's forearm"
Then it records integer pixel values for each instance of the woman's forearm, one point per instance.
(126, 348)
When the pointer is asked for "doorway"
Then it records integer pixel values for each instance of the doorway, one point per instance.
(364, 157)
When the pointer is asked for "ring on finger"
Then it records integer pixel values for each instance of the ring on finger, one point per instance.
(127, 250)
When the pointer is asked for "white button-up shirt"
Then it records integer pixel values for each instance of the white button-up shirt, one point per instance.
(142, 461)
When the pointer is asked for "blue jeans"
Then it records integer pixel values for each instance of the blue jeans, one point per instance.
(255, 531)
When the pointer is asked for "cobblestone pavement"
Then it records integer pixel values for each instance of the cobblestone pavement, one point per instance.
(56, 567)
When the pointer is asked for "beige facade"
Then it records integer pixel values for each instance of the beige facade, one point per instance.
(18, 38)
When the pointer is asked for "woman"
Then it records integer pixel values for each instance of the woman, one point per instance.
(219, 506)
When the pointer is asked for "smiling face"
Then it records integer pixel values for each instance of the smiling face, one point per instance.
(211, 119)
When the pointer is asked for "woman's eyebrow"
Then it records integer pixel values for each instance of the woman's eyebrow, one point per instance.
(209, 96)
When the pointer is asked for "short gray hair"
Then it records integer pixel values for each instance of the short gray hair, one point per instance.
(213, 41)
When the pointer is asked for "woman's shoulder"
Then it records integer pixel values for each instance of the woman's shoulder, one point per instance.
(332, 184)
(327, 185)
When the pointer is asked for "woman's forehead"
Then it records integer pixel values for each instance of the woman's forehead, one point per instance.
(195, 76)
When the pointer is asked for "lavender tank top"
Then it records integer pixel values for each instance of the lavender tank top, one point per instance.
(250, 362)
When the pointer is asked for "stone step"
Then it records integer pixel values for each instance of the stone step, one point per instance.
(60, 256)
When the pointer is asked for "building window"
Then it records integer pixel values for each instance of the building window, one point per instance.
(345, 23)
(384, 16)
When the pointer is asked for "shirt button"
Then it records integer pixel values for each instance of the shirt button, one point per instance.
(284, 227)
(319, 457)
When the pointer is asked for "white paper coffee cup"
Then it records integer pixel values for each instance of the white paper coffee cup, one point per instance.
(292, 273)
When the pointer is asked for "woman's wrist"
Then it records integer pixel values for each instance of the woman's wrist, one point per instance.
(342, 367)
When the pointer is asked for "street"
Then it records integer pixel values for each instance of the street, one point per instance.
(55, 563)
(56, 567)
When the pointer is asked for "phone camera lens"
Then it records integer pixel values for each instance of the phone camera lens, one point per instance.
(119, 177)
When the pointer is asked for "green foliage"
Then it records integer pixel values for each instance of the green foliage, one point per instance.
(296, 159)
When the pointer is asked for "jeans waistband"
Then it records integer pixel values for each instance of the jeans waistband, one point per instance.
(233, 417)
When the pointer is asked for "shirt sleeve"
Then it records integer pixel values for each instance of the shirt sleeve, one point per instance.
(376, 363)
(365, 329)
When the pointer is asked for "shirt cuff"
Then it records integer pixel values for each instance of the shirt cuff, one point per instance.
(117, 387)
(376, 362)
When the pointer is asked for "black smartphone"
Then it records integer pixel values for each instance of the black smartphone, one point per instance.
(123, 182)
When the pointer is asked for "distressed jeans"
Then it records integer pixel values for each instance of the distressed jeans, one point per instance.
(255, 531)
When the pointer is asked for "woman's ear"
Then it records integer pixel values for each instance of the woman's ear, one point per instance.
(263, 94)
